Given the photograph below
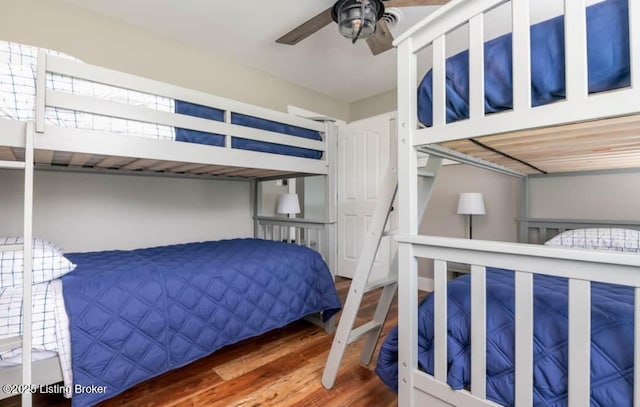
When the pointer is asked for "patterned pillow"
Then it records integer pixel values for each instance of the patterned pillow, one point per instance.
(623, 240)
(48, 262)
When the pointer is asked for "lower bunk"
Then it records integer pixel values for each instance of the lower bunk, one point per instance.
(561, 335)
(133, 315)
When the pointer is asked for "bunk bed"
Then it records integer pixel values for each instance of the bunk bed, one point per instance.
(113, 319)
(530, 324)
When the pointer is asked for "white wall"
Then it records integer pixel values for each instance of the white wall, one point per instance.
(605, 196)
(86, 212)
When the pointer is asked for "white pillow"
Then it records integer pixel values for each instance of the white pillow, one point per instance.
(48, 263)
(623, 240)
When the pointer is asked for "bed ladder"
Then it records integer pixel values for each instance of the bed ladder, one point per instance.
(360, 285)
(27, 248)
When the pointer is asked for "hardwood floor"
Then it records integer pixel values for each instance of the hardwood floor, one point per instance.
(279, 368)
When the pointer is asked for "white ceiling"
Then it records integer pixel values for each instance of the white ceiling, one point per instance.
(247, 29)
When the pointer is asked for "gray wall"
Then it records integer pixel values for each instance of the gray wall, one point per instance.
(374, 105)
(604, 196)
(501, 201)
(85, 212)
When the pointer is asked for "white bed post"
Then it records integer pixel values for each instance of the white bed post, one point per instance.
(27, 303)
(331, 195)
(407, 223)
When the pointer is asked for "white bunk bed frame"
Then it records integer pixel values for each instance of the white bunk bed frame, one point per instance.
(580, 267)
(29, 145)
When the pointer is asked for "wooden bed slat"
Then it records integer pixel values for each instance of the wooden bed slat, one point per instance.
(79, 159)
(7, 154)
(114, 162)
(607, 144)
(44, 156)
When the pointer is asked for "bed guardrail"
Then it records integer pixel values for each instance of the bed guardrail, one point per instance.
(578, 106)
(305, 232)
(580, 267)
(45, 97)
(538, 231)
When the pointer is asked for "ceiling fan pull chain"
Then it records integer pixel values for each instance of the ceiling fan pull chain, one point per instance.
(361, 22)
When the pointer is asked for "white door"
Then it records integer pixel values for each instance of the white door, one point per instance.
(363, 156)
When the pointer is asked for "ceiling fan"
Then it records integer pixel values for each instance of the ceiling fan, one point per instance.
(357, 19)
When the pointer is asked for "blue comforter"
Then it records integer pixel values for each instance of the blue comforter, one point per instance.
(136, 314)
(608, 64)
(611, 340)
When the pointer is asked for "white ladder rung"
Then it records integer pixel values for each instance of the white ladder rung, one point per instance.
(383, 282)
(422, 172)
(390, 233)
(362, 330)
(11, 247)
(17, 165)
(10, 343)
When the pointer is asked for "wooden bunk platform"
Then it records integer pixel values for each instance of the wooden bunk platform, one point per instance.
(612, 143)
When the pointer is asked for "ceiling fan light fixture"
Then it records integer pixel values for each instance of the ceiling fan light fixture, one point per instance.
(357, 18)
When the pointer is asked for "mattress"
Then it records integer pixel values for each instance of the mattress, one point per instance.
(50, 332)
(611, 341)
(136, 314)
(608, 65)
(17, 102)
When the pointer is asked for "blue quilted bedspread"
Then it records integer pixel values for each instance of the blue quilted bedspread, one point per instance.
(136, 314)
(611, 341)
(608, 64)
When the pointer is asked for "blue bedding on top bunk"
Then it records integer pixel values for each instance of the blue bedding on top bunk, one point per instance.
(136, 314)
(611, 341)
(200, 137)
(608, 64)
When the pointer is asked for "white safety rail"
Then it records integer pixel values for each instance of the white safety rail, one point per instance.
(581, 267)
(578, 106)
(420, 389)
(538, 230)
(84, 142)
(311, 233)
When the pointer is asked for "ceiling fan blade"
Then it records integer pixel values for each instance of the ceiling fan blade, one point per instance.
(413, 3)
(306, 29)
(382, 40)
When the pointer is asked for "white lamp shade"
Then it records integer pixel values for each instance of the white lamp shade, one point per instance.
(471, 203)
(288, 204)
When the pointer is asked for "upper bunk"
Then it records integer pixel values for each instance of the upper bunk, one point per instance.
(92, 118)
(523, 102)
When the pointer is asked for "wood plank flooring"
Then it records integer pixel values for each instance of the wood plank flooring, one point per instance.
(279, 368)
